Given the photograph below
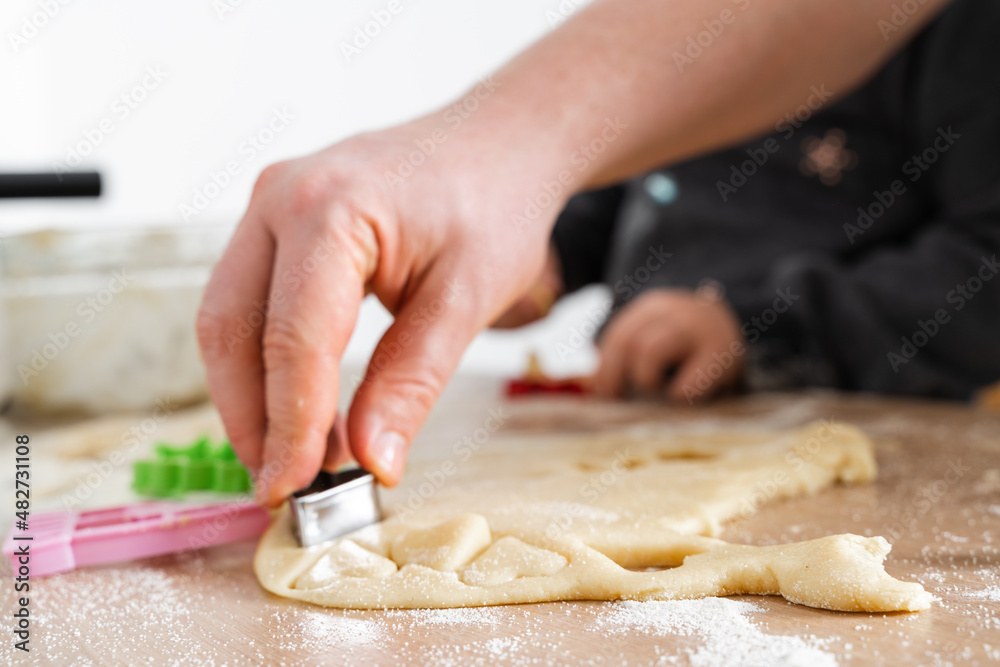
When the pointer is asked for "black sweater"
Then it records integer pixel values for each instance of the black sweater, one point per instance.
(874, 223)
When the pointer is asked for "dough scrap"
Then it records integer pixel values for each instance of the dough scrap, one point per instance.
(621, 515)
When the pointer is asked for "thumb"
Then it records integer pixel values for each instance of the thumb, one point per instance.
(407, 372)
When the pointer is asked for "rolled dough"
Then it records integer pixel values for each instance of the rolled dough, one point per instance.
(610, 516)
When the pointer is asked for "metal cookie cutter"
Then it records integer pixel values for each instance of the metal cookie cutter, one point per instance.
(335, 504)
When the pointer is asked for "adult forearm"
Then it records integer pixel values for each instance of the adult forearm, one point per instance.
(679, 78)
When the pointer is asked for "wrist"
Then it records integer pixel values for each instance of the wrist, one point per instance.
(499, 142)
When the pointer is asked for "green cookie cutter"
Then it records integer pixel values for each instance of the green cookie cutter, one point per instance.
(200, 466)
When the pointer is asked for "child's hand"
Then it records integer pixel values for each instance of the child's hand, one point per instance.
(694, 333)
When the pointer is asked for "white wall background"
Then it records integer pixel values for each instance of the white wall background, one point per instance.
(225, 66)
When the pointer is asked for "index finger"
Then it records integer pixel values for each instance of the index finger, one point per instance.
(315, 295)
(230, 321)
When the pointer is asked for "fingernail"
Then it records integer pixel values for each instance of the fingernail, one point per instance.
(388, 451)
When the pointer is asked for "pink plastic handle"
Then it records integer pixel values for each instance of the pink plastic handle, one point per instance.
(62, 541)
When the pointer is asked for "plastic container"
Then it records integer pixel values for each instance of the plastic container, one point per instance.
(103, 321)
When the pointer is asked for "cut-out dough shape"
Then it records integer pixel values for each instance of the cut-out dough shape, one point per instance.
(524, 521)
(446, 546)
(345, 559)
(509, 558)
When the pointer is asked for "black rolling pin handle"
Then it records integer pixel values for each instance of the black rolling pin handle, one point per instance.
(51, 184)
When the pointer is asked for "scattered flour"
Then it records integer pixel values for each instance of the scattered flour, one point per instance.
(106, 602)
(116, 615)
(953, 537)
(727, 635)
(328, 629)
(132, 608)
(499, 646)
(991, 593)
(482, 616)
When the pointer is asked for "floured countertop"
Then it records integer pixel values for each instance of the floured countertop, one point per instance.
(937, 500)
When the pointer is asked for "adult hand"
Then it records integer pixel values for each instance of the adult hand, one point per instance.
(322, 230)
(695, 334)
(437, 248)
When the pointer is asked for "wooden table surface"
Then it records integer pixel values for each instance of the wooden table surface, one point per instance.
(937, 499)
